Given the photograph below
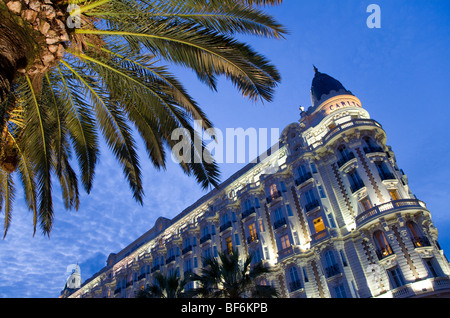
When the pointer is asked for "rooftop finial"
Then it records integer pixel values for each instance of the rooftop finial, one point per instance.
(315, 69)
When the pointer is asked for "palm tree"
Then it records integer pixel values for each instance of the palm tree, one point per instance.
(170, 286)
(73, 71)
(228, 277)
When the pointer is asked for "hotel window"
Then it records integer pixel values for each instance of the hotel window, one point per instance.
(371, 146)
(365, 203)
(294, 279)
(261, 225)
(355, 180)
(296, 239)
(310, 200)
(344, 260)
(274, 191)
(381, 242)
(332, 266)
(289, 210)
(284, 240)
(432, 267)
(416, 235)
(305, 275)
(319, 226)
(344, 155)
(396, 277)
(339, 291)
(321, 192)
(394, 194)
(313, 167)
(253, 235)
(383, 170)
(236, 239)
(331, 220)
(229, 245)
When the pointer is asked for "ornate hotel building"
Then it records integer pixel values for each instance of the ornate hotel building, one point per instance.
(328, 210)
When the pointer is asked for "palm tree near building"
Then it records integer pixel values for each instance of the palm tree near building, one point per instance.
(226, 276)
(71, 72)
(170, 286)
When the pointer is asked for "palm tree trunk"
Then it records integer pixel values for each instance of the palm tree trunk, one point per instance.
(18, 48)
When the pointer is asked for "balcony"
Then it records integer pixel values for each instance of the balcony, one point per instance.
(205, 238)
(170, 259)
(186, 250)
(421, 241)
(387, 176)
(225, 226)
(388, 207)
(253, 238)
(356, 186)
(274, 196)
(155, 268)
(302, 179)
(248, 213)
(295, 285)
(279, 223)
(350, 155)
(312, 205)
(351, 124)
(384, 252)
(319, 236)
(372, 149)
(332, 270)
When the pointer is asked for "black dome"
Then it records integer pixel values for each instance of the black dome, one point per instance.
(323, 84)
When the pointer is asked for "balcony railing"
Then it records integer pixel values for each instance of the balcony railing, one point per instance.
(205, 238)
(347, 125)
(248, 212)
(274, 196)
(384, 252)
(372, 149)
(421, 241)
(387, 207)
(332, 270)
(225, 226)
(387, 176)
(356, 186)
(253, 238)
(349, 156)
(295, 285)
(187, 249)
(279, 223)
(303, 178)
(312, 205)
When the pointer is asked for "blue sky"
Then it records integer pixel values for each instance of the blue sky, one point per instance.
(400, 73)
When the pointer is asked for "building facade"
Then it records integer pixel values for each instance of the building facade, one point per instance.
(328, 210)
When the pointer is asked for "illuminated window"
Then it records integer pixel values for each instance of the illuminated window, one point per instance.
(229, 245)
(366, 204)
(253, 235)
(274, 191)
(319, 225)
(285, 242)
(396, 277)
(394, 194)
(383, 247)
(261, 225)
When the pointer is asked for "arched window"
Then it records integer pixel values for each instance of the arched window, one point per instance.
(332, 267)
(294, 279)
(371, 146)
(344, 155)
(417, 237)
(381, 242)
